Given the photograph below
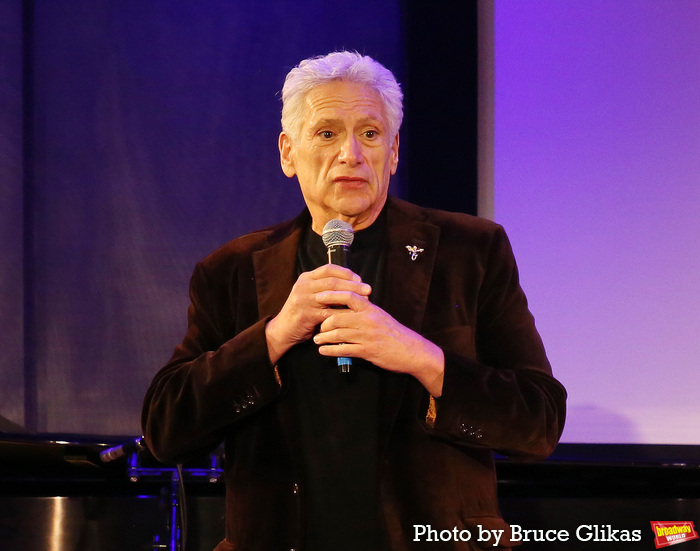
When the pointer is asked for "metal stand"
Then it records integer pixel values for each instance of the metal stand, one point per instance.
(176, 477)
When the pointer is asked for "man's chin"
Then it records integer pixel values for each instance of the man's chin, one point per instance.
(359, 212)
(352, 206)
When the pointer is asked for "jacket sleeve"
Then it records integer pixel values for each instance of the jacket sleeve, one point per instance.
(505, 398)
(216, 377)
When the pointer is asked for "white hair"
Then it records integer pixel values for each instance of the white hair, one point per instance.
(345, 66)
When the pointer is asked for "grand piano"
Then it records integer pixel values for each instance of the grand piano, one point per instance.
(58, 493)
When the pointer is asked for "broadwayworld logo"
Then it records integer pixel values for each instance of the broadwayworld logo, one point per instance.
(671, 533)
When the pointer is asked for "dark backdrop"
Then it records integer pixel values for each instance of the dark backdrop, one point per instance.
(135, 137)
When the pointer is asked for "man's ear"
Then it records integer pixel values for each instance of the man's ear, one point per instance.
(394, 154)
(286, 158)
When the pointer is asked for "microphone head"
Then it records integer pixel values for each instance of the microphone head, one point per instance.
(337, 232)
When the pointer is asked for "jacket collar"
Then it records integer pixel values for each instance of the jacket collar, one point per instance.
(406, 281)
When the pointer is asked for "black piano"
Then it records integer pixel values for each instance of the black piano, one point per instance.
(58, 493)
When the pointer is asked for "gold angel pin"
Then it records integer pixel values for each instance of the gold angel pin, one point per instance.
(413, 251)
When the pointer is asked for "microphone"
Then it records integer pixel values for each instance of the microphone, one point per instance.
(112, 454)
(337, 237)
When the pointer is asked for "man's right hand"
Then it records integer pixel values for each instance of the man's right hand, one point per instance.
(302, 313)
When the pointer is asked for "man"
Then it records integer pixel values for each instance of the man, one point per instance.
(447, 364)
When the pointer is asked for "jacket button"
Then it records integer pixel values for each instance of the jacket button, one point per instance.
(468, 430)
(295, 489)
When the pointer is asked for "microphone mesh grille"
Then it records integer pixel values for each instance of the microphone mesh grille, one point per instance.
(337, 232)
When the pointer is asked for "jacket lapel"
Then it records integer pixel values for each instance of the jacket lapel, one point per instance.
(407, 276)
(410, 257)
(275, 275)
(275, 267)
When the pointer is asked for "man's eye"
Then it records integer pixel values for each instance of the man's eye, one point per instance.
(326, 134)
(371, 134)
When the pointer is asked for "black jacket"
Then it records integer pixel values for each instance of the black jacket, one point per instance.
(436, 462)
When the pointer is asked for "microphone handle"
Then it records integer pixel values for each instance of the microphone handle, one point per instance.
(338, 255)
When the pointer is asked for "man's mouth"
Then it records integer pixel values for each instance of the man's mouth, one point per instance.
(349, 180)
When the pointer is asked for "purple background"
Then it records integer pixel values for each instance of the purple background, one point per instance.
(143, 135)
(597, 180)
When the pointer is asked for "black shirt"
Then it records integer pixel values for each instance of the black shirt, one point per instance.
(338, 416)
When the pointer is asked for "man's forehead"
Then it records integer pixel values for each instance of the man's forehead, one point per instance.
(337, 101)
(360, 119)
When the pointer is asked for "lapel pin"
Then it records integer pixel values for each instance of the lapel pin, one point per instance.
(413, 251)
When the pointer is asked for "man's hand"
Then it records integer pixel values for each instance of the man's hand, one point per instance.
(366, 331)
(302, 312)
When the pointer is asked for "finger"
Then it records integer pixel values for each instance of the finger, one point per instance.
(333, 284)
(340, 319)
(314, 283)
(333, 270)
(333, 333)
(305, 292)
(354, 301)
(340, 350)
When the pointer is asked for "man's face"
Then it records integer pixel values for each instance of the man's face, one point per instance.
(343, 156)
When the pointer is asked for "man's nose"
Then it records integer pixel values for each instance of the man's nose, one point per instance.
(350, 151)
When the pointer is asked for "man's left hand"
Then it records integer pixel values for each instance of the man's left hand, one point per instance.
(366, 331)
